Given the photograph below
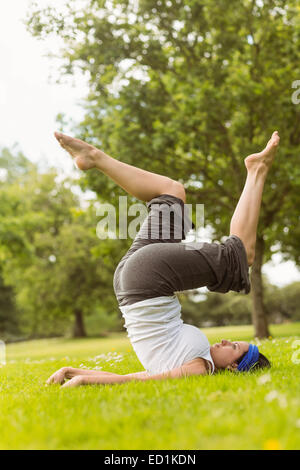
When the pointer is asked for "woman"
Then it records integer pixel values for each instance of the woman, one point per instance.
(157, 265)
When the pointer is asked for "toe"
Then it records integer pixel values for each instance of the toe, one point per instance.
(274, 139)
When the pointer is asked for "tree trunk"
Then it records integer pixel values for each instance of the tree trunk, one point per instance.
(79, 330)
(259, 316)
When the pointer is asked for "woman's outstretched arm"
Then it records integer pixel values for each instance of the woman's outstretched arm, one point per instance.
(70, 372)
(64, 373)
(195, 367)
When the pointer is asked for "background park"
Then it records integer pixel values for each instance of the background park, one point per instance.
(178, 87)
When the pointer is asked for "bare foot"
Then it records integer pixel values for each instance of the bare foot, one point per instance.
(84, 154)
(264, 158)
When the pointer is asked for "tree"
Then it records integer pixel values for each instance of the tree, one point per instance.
(50, 254)
(215, 79)
(65, 279)
(216, 310)
(8, 312)
(12, 166)
(290, 301)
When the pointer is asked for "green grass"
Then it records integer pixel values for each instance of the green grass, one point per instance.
(225, 411)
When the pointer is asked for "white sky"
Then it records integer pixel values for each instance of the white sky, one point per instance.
(29, 103)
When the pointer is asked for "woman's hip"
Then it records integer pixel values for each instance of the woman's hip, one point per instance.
(162, 269)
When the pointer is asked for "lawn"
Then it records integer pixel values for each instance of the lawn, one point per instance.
(260, 410)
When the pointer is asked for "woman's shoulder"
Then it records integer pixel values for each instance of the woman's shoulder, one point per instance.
(195, 332)
(200, 364)
(199, 345)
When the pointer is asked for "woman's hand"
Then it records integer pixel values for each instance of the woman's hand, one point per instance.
(59, 376)
(77, 381)
(85, 377)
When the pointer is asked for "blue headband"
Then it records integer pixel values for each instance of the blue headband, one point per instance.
(250, 359)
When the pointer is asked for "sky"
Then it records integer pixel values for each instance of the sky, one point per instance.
(30, 101)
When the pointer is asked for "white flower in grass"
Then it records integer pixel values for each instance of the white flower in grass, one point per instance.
(282, 401)
(271, 396)
(274, 395)
(108, 357)
(100, 356)
(264, 379)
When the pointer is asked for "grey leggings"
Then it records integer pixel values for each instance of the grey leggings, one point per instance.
(158, 264)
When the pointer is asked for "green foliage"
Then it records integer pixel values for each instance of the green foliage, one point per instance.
(8, 312)
(214, 309)
(189, 89)
(54, 266)
(215, 79)
(182, 88)
(50, 255)
(217, 310)
(285, 302)
(14, 164)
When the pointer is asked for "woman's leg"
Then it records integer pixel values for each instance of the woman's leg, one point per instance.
(245, 218)
(139, 183)
(173, 267)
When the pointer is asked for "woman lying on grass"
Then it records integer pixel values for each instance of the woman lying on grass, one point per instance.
(157, 265)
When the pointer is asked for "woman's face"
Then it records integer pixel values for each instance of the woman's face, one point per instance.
(226, 353)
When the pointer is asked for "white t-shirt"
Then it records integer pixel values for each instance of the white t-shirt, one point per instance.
(159, 337)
